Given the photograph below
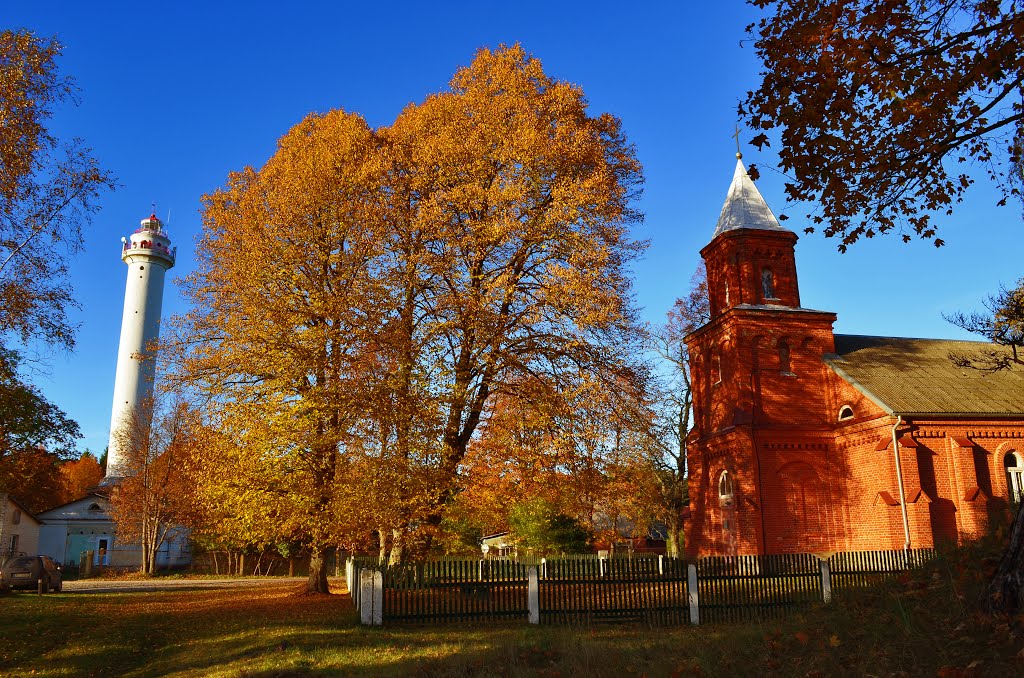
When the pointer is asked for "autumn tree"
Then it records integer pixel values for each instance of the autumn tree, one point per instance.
(48, 192)
(285, 307)
(538, 527)
(240, 499)
(78, 475)
(363, 297)
(886, 109)
(673, 407)
(508, 253)
(35, 437)
(575, 451)
(151, 504)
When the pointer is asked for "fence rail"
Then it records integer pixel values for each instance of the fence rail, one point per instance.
(649, 588)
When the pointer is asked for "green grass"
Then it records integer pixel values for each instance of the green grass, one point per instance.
(923, 625)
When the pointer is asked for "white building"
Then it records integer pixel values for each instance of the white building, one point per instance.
(19, 529)
(84, 525)
(76, 527)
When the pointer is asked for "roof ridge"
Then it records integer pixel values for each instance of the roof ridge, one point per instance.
(886, 336)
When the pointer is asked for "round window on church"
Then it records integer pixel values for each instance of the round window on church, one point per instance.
(845, 412)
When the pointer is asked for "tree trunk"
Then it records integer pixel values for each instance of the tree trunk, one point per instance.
(1005, 593)
(291, 566)
(317, 582)
(674, 540)
(397, 548)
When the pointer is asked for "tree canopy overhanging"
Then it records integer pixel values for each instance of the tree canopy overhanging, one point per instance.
(48, 192)
(886, 111)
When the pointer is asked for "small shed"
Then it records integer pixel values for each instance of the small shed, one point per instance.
(497, 545)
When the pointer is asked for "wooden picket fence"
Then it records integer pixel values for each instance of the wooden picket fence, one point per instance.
(585, 589)
(459, 590)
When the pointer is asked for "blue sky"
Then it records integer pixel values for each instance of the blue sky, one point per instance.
(176, 95)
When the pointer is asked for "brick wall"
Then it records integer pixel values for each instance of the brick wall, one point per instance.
(766, 410)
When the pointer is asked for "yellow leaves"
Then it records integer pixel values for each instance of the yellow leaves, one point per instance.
(371, 290)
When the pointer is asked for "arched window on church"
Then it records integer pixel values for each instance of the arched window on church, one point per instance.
(845, 412)
(727, 294)
(1014, 476)
(725, 489)
(785, 365)
(768, 284)
(716, 367)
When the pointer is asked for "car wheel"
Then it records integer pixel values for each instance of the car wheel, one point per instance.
(59, 586)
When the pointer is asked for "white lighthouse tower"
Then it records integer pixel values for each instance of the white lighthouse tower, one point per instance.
(149, 255)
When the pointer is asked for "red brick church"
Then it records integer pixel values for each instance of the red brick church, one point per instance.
(809, 441)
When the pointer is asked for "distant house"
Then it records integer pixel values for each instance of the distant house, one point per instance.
(19, 529)
(626, 542)
(76, 527)
(497, 545)
(85, 524)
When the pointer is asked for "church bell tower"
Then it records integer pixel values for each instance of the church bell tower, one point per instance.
(756, 375)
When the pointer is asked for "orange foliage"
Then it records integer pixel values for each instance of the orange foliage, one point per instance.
(78, 476)
(364, 297)
(887, 108)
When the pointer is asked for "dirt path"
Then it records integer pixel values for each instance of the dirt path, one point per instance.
(141, 585)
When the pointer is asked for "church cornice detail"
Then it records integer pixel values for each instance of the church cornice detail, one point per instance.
(822, 446)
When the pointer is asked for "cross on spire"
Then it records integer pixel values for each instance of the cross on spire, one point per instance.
(736, 136)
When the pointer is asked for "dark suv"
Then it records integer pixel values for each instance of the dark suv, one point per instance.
(24, 572)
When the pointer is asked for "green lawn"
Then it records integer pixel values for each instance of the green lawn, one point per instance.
(919, 626)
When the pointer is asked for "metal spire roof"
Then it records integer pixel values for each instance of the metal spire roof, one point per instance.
(744, 207)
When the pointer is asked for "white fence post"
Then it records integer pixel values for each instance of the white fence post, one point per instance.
(378, 598)
(826, 581)
(661, 565)
(533, 595)
(371, 597)
(366, 596)
(691, 589)
(544, 568)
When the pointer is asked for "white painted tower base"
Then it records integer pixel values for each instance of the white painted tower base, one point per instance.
(149, 255)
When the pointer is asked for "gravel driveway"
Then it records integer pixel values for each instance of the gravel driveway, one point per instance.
(127, 585)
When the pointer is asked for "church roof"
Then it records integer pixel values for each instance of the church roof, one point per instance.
(917, 377)
(744, 207)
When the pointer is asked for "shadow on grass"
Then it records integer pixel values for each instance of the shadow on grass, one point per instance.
(918, 625)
